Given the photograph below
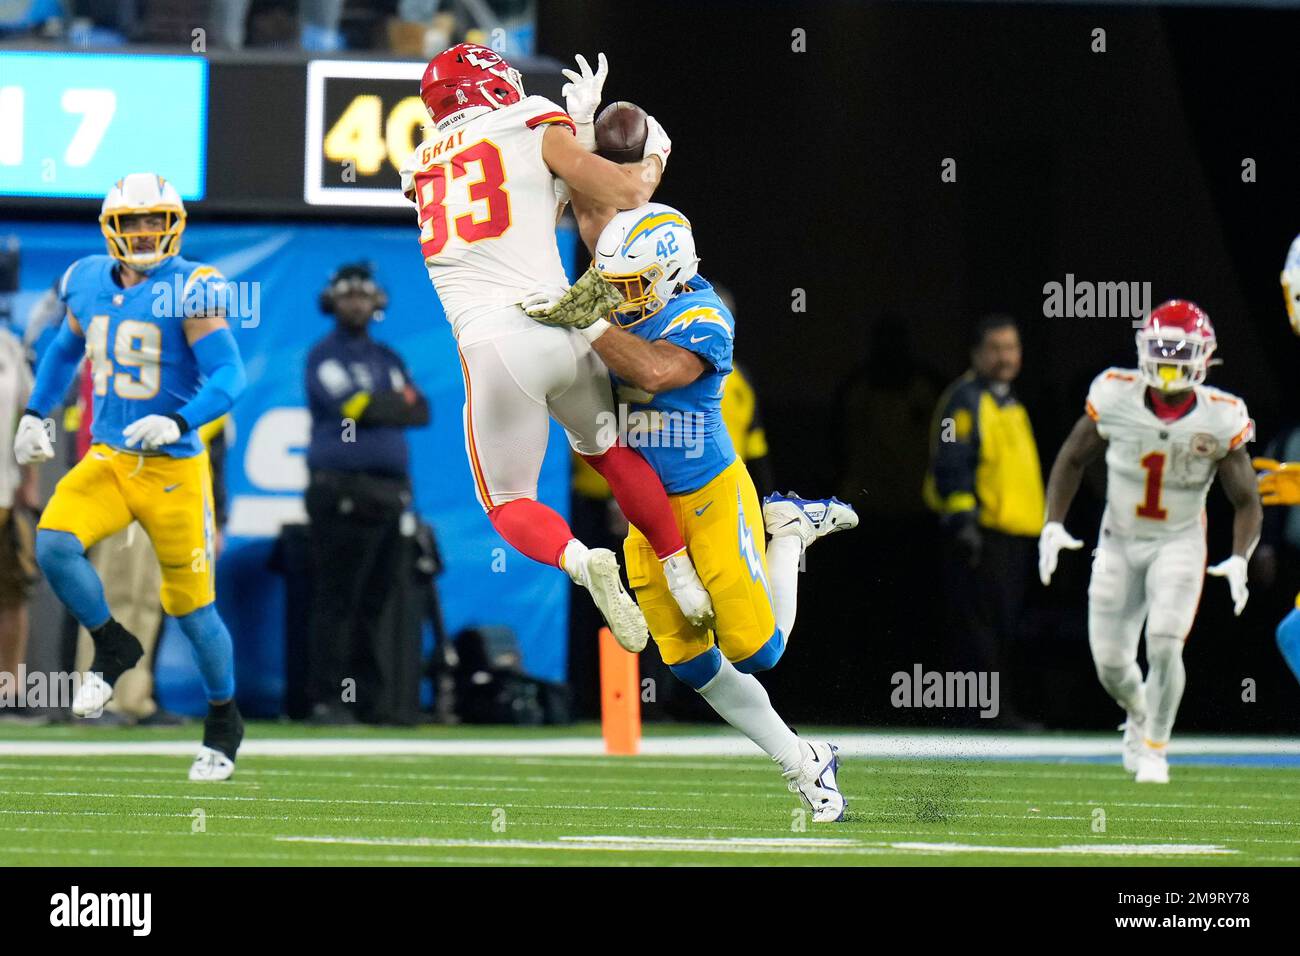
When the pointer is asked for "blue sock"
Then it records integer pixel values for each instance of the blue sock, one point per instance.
(1288, 641)
(64, 563)
(213, 651)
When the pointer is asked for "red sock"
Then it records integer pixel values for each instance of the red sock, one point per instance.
(536, 531)
(641, 495)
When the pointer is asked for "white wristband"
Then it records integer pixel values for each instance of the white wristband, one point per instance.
(595, 330)
(586, 135)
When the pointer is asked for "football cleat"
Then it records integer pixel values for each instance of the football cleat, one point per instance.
(688, 590)
(223, 732)
(809, 518)
(1152, 765)
(211, 764)
(815, 783)
(116, 651)
(1134, 733)
(600, 576)
(91, 696)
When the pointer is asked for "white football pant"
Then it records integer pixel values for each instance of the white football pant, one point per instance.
(1157, 580)
(514, 384)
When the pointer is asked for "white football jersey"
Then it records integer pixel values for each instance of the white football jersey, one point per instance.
(487, 207)
(1158, 473)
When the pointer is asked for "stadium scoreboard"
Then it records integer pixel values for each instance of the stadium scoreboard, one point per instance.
(259, 135)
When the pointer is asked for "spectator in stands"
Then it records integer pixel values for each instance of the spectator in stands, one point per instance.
(17, 496)
(362, 400)
(986, 485)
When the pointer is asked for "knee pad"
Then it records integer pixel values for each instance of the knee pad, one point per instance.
(55, 546)
(1111, 654)
(765, 657)
(699, 670)
(1163, 649)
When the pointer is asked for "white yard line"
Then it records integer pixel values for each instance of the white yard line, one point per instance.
(905, 745)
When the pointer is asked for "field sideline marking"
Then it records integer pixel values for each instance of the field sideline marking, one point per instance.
(914, 746)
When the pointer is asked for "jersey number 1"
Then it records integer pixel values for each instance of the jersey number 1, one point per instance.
(1154, 464)
(431, 189)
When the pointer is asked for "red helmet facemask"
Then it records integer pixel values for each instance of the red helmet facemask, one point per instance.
(1175, 346)
(469, 75)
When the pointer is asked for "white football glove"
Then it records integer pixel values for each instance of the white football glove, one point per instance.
(1234, 569)
(657, 142)
(582, 97)
(151, 432)
(543, 298)
(31, 443)
(1050, 543)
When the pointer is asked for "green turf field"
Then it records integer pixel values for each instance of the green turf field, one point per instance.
(135, 809)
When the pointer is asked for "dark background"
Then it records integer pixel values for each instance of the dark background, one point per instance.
(821, 171)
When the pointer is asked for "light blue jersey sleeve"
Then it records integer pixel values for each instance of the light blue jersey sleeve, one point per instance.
(705, 329)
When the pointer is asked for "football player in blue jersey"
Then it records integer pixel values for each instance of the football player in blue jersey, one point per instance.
(669, 348)
(164, 362)
(1279, 481)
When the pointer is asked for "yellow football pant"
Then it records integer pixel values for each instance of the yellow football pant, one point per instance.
(723, 528)
(170, 497)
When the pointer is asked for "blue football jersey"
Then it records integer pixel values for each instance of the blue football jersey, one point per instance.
(681, 433)
(135, 341)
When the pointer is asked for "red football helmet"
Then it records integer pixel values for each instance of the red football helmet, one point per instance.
(469, 75)
(1175, 345)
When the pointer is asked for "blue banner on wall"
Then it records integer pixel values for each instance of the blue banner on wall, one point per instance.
(285, 266)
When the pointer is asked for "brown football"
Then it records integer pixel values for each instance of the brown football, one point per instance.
(621, 132)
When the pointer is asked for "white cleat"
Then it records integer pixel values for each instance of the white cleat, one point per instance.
(91, 696)
(688, 590)
(1134, 734)
(809, 518)
(211, 764)
(815, 782)
(1152, 765)
(599, 575)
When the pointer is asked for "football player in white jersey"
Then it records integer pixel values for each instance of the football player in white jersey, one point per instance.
(486, 186)
(1166, 435)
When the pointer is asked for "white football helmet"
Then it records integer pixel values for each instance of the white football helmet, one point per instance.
(1291, 285)
(648, 254)
(142, 194)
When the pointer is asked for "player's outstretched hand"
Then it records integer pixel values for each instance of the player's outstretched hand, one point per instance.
(31, 443)
(583, 307)
(1279, 481)
(582, 92)
(1050, 543)
(151, 432)
(1234, 569)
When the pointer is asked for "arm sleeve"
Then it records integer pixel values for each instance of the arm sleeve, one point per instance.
(957, 452)
(223, 369)
(58, 366)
